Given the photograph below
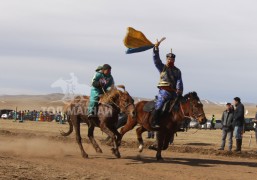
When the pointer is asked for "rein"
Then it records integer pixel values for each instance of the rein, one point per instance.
(182, 110)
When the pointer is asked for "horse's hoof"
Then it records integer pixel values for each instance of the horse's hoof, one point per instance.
(152, 147)
(85, 156)
(117, 154)
(141, 148)
(159, 158)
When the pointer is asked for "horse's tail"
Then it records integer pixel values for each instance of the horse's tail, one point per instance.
(70, 127)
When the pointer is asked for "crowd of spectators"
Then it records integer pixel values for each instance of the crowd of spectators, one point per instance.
(37, 116)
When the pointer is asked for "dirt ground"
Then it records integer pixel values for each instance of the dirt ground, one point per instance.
(36, 150)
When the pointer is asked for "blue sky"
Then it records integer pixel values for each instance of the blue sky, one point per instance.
(215, 43)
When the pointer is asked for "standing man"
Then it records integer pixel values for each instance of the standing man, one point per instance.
(238, 122)
(255, 126)
(227, 128)
(170, 85)
(101, 82)
(14, 116)
(22, 116)
(150, 134)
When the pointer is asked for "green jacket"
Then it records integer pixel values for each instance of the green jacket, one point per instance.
(101, 82)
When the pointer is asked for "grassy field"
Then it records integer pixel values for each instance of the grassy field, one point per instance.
(36, 150)
(193, 137)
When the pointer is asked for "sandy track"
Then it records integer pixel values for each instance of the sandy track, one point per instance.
(29, 152)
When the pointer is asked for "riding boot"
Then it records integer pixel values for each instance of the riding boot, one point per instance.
(155, 122)
(91, 115)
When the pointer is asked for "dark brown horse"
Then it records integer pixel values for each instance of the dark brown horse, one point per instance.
(110, 105)
(170, 121)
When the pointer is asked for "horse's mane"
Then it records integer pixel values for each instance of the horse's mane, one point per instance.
(193, 94)
(110, 96)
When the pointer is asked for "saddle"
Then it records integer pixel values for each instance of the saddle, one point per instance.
(149, 106)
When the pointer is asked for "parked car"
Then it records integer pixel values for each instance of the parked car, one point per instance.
(249, 124)
(218, 124)
(193, 124)
(207, 125)
(4, 116)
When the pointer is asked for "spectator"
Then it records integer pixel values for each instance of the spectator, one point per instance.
(22, 116)
(213, 121)
(255, 125)
(238, 123)
(10, 115)
(14, 116)
(34, 115)
(150, 135)
(227, 128)
(61, 117)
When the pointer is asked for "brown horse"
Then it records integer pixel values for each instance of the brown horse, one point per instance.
(170, 121)
(110, 105)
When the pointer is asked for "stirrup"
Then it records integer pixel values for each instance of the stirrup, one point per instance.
(90, 115)
(155, 126)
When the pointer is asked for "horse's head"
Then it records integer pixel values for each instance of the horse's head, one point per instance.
(195, 107)
(126, 102)
(120, 99)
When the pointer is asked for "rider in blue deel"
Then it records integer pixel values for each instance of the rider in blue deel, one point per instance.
(170, 84)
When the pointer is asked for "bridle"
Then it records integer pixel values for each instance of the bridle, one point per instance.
(115, 104)
(128, 104)
(191, 107)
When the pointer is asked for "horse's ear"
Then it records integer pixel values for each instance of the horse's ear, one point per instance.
(112, 88)
(194, 94)
(122, 87)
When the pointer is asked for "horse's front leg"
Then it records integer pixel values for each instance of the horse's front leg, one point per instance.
(140, 131)
(105, 129)
(118, 135)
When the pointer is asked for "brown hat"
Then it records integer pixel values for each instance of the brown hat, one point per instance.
(106, 66)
